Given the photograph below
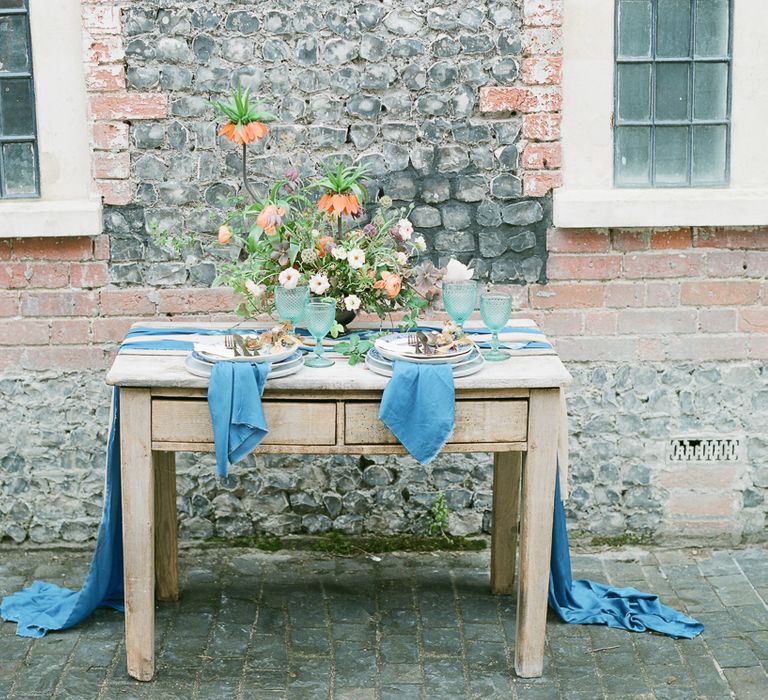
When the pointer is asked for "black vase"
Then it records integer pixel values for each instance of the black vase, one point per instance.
(345, 317)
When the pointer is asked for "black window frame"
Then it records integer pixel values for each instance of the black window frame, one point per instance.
(27, 138)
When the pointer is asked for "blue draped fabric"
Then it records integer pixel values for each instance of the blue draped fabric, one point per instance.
(589, 603)
(46, 606)
(418, 406)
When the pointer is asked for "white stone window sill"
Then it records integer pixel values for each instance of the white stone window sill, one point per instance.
(39, 218)
(628, 208)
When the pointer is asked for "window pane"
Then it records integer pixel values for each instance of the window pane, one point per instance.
(709, 153)
(13, 44)
(633, 156)
(673, 37)
(634, 28)
(710, 91)
(712, 27)
(19, 169)
(672, 91)
(11, 4)
(16, 108)
(671, 157)
(634, 91)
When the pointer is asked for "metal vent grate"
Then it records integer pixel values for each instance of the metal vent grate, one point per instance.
(704, 450)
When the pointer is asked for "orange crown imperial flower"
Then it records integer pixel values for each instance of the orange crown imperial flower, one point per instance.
(336, 204)
(246, 120)
(390, 282)
(244, 133)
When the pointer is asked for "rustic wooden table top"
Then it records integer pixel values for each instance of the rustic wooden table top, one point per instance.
(165, 368)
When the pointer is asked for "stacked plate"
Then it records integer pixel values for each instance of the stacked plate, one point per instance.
(464, 360)
(200, 363)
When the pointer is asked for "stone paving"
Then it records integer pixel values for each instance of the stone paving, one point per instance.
(302, 625)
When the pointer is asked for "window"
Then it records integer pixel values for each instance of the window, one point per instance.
(46, 184)
(672, 106)
(18, 149)
(664, 111)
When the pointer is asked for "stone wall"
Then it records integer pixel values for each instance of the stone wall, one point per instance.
(665, 331)
(392, 85)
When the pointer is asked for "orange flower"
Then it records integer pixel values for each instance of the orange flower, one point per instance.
(390, 283)
(243, 133)
(225, 234)
(323, 245)
(333, 203)
(269, 218)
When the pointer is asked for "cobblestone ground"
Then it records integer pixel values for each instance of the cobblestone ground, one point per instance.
(255, 625)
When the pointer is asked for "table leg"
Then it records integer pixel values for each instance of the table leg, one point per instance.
(166, 544)
(505, 515)
(538, 492)
(138, 531)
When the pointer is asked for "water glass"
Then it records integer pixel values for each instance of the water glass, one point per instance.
(319, 316)
(459, 300)
(495, 309)
(290, 303)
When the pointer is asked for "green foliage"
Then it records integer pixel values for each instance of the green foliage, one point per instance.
(241, 110)
(437, 519)
(341, 179)
(354, 348)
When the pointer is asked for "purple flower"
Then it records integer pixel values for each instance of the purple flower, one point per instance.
(292, 177)
(370, 230)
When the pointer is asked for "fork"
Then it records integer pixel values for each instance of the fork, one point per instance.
(229, 343)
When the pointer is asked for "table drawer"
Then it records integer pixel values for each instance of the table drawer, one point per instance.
(290, 422)
(485, 422)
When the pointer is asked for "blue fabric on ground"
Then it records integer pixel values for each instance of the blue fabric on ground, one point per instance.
(46, 606)
(234, 399)
(589, 603)
(418, 406)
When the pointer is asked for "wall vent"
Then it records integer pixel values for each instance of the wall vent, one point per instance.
(705, 449)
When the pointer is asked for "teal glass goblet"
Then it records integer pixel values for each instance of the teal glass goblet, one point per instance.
(495, 309)
(290, 303)
(459, 300)
(319, 316)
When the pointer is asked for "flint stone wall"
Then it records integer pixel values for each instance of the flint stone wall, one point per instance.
(390, 84)
(621, 418)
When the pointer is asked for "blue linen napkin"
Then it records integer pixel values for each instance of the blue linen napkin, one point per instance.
(234, 399)
(418, 406)
(589, 603)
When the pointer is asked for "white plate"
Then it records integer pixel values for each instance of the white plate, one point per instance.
(201, 368)
(395, 347)
(218, 353)
(464, 370)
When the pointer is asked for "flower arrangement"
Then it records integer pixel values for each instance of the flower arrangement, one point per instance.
(312, 233)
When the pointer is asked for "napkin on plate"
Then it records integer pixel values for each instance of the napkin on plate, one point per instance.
(234, 399)
(418, 406)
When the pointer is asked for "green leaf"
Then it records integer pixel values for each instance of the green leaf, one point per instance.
(353, 360)
(294, 251)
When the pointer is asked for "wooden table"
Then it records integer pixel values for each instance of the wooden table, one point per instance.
(511, 408)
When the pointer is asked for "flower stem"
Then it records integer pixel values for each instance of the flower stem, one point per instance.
(245, 174)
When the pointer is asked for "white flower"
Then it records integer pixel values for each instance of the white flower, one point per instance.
(319, 284)
(289, 278)
(402, 258)
(352, 302)
(339, 253)
(456, 271)
(315, 233)
(256, 290)
(356, 258)
(420, 244)
(406, 229)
